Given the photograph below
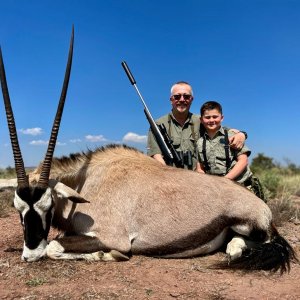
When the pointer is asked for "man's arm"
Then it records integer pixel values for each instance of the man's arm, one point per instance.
(153, 149)
(237, 141)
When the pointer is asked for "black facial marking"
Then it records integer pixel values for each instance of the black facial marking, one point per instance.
(34, 232)
(30, 194)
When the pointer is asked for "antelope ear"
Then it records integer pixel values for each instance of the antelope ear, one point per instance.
(66, 192)
(8, 183)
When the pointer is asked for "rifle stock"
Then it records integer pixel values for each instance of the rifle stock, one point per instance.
(177, 160)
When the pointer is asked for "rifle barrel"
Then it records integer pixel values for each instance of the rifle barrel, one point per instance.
(155, 130)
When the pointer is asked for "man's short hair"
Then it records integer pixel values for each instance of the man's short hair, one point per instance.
(181, 83)
(210, 105)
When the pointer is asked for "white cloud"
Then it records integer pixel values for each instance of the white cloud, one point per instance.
(42, 143)
(95, 138)
(133, 137)
(38, 142)
(60, 144)
(75, 141)
(32, 131)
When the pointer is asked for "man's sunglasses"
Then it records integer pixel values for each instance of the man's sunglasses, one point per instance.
(185, 96)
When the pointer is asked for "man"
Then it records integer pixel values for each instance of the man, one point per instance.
(183, 127)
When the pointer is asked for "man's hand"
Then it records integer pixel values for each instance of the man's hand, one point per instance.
(159, 158)
(237, 141)
(199, 168)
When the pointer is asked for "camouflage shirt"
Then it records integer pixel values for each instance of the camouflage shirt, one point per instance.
(216, 156)
(184, 137)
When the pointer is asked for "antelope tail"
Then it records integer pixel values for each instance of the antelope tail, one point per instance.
(272, 256)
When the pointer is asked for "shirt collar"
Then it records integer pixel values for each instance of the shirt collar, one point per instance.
(219, 132)
(188, 119)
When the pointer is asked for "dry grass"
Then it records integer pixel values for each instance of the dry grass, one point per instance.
(6, 202)
(291, 185)
(286, 204)
(284, 210)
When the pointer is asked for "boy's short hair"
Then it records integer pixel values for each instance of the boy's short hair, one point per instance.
(209, 105)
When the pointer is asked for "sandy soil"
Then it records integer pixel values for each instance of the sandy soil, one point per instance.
(138, 278)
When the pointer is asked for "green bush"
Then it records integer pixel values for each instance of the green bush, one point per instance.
(270, 180)
(9, 172)
(281, 186)
(261, 163)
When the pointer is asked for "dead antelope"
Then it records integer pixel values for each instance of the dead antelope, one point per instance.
(137, 206)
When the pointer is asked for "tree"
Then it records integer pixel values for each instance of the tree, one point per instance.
(262, 162)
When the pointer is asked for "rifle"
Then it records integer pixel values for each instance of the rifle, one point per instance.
(159, 131)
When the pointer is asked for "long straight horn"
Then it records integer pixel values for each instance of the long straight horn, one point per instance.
(19, 164)
(45, 173)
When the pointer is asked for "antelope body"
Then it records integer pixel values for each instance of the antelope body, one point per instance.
(138, 206)
(115, 201)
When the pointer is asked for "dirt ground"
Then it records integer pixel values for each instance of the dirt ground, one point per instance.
(138, 278)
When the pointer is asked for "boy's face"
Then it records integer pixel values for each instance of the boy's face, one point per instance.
(211, 119)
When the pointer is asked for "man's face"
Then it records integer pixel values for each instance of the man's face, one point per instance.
(211, 119)
(181, 98)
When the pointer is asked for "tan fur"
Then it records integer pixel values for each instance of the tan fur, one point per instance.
(139, 205)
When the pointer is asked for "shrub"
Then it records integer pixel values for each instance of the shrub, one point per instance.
(283, 206)
(9, 172)
(271, 182)
(284, 210)
(262, 162)
(6, 202)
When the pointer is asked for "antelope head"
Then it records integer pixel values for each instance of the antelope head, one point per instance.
(35, 203)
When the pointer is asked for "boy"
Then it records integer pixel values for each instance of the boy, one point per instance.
(215, 155)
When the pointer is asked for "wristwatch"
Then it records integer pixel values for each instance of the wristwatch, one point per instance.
(245, 133)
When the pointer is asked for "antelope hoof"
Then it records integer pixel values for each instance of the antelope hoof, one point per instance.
(113, 255)
(118, 255)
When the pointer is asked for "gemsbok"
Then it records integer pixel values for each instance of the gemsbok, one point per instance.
(115, 202)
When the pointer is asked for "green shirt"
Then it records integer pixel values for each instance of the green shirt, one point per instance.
(184, 137)
(216, 157)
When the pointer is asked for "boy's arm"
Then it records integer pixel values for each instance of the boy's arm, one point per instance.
(242, 162)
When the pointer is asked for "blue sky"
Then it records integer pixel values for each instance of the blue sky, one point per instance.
(244, 54)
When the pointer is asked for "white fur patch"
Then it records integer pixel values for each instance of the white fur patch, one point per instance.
(242, 229)
(21, 206)
(43, 205)
(30, 255)
(54, 250)
(235, 247)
